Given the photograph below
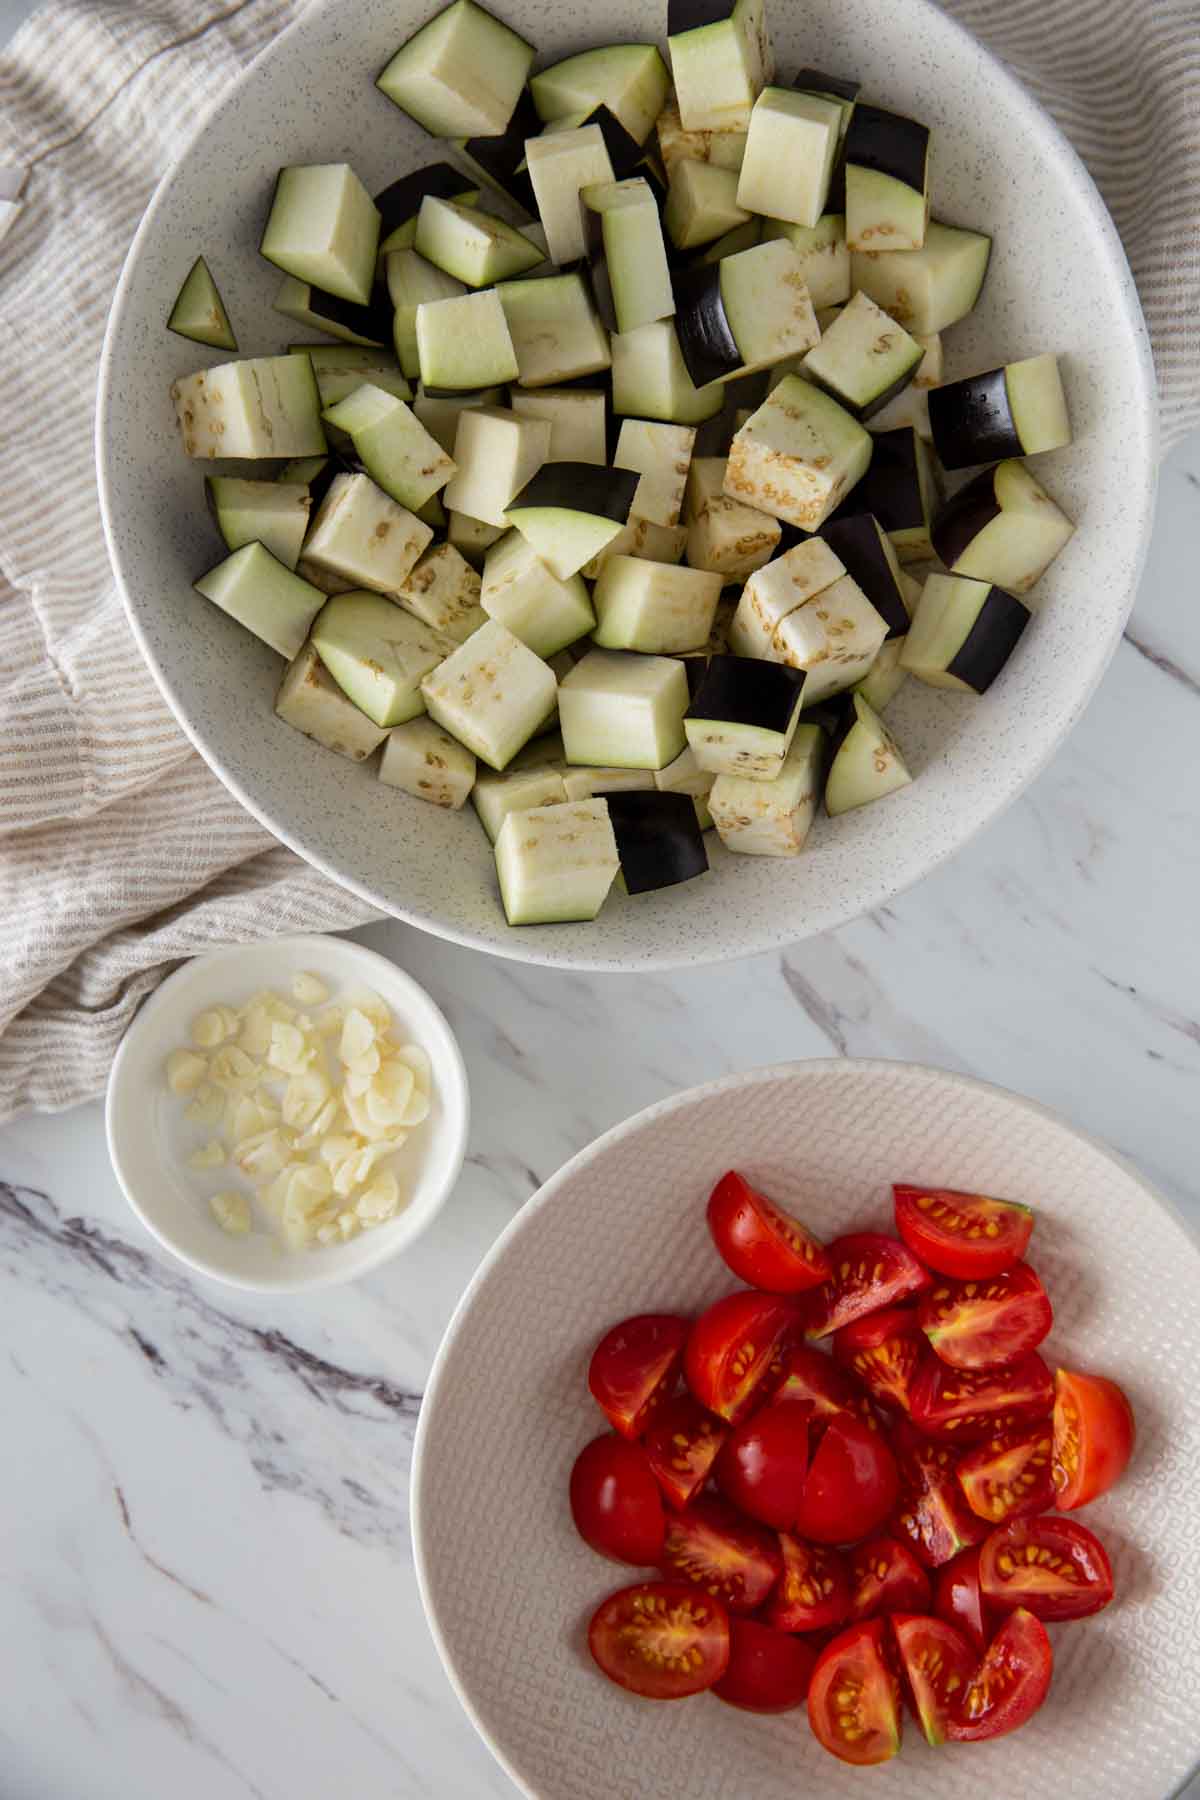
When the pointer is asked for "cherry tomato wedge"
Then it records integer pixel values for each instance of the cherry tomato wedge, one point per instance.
(1054, 1567)
(986, 1322)
(1094, 1436)
(813, 1592)
(615, 1501)
(734, 1560)
(1009, 1685)
(958, 1599)
(734, 1345)
(768, 1671)
(683, 1443)
(938, 1664)
(932, 1517)
(852, 1485)
(962, 1234)
(809, 1374)
(869, 1270)
(661, 1640)
(967, 1405)
(764, 1246)
(1010, 1476)
(885, 1577)
(763, 1467)
(633, 1369)
(883, 1350)
(854, 1695)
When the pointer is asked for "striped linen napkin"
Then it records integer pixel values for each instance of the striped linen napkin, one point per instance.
(120, 853)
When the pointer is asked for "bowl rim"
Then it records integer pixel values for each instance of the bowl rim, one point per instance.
(449, 1064)
(549, 1191)
(522, 945)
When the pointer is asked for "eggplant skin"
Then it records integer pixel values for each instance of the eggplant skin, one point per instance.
(706, 342)
(741, 690)
(889, 142)
(691, 15)
(658, 838)
(815, 81)
(891, 487)
(856, 541)
(373, 321)
(599, 279)
(581, 488)
(964, 516)
(400, 200)
(991, 640)
(972, 421)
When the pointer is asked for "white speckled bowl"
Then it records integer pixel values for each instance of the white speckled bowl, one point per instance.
(1058, 281)
(508, 1587)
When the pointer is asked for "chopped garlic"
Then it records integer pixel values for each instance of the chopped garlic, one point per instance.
(380, 1201)
(232, 1213)
(207, 1107)
(309, 989)
(209, 1156)
(185, 1071)
(215, 1027)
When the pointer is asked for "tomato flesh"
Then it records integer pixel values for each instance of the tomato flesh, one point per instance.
(1009, 1685)
(961, 1234)
(854, 1696)
(808, 1374)
(634, 1367)
(660, 1640)
(768, 1671)
(683, 1443)
(957, 1597)
(764, 1466)
(869, 1270)
(852, 1485)
(813, 1592)
(615, 1501)
(1094, 1435)
(886, 1577)
(932, 1517)
(987, 1322)
(967, 1405)
(734, 1346)
(730, 1558)
(883, 1350)
(938, 1665)
(1054, 1567)
(1010, 1476)
(764, 1246)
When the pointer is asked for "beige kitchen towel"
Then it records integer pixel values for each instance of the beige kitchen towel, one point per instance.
(119, 852)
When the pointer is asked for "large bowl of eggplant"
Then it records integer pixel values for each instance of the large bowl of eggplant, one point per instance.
(668, 479)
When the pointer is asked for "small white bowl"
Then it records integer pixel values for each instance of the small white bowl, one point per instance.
(149, 1138)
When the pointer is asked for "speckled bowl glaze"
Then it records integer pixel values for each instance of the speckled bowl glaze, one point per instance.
(509, 1587)
(1058, 281)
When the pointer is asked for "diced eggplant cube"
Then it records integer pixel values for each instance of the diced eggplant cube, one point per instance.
(929, 289)
(886, 676)
(721, 59)
(963, 633)
(561, 165)
(790, 153)
(516, 790)
(341, 368)
(393, 445)
(767, 305)
(638, 537)
(824, 257)
(900, 490)
(272, 513)
(586, 784)
(634, 254)
(310, 700)
(577, 418)
(1003, 527)
(685, 776)
(864, 358)
(369, 326)
(777, 589)
(443, 591)
(867, 554)
(887, 180)
(264, 406)
(428, 763)
(496, 455)
(834, 638)
(475, 247)
(472, 538)
(461, 74)
(650, 378)
(411, 281)
(255, 588)
(772, 818)
(658, 839)
(798, 455)
(464, 343)
(742, 718)
(723, 535)
(378, 653)
(520, 591)
(867, 765)
(631, 80)
(725, 149)
(653, 607)
(568, 512)
(556, 863)
(661, 454)
(492, 694)
(400, 201)
(555, 332)
(199, 311)
(324, 229)
(497, 159)
(440, 413)
(623, 711)
(1017, 410)
(702, 204)
(363, 537)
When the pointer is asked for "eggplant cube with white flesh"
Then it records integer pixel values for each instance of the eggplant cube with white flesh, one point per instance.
(661, 454)
(272, 513)
(310, 700)
(364, 537)
(867, 764)
(798, 455)
(834, 638)
(929, 289)
(262, 406)
(627, 254)
(324, 229)
(638, 537)
(461, 74)
(199, 311)
(790, 154)
(653, 607)
(1017, 410)
(659, 841)
(492, 693)
(340, 368)
(568, 512)
(378, 654)
(442, 590)
(495, 456)
(630, 80)
(622, 710)
(577, 420)
(824, 256)
(412, 282)
(650, 379)
(864, 359)
(963, 633)
(721, 59)
(561, 165)
(555, 332)
(778, 588)
(529, 599)
(723, 534)
(1003, 527)
(515, 789)
(724, 149)
(556, 863)
(747, 312)
(400, 203)
(702, 204)
(887, 180)
(428, 763)
(464, 342)
(393, 446)
(772, 818)
(270, 600)
(742, 718)
(475, 247)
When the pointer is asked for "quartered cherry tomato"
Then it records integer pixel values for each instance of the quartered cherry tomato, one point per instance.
(938, 1663)
(852, 1485)
(1009, 1685)
(813, 1591)
(962, 1234)
(615, 1501)
(683, 1443)
(764, 1466)
(764, 1246)
(768, 1671)
(1010, 1476)
(735, 1345)
(968, 1405)
(732, 1558)
(869, 1270)
(854, 1695)
(932, 1517)
(1093, 1437)
(987, 1321)
(634, 1367)
(958, 1599)
(661, 1640)
(883, 1350)
(808, 1374)
(885, 1577)
(1054, 1567)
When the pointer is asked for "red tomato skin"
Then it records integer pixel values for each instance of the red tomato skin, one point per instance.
(768, 1671)
(957, 1597)
(1021, 1463)
(735, 1560)
(869, 1270)
(932, 1517)
(883, 1351)
(1010, 1684)
(886, 1577)
(932, 1234)
(852, 1485)
(613, 1645)
(683, 1443)
(763, 1468)
(764, 1246)
(634, 1367)
(732, 1346)
(1046, 1592)
(933, 1654)
(989, 1321)
(964, 1406)
(615, 1501)
(809, 1374)
(1094, 1437)
(813, 1592)
(861, 1655)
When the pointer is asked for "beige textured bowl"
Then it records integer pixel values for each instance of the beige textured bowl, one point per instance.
(507, 1585)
